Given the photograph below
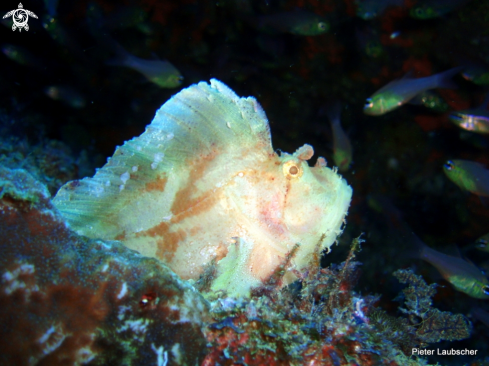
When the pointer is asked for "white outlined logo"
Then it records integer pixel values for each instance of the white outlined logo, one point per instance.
(20, 17)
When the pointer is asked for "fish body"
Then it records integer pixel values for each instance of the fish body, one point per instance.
(342, 150)
(463, 275)
(21, 55)
(468, 175)
(203, 184)
(431, 100)
(65, 94)
(370, 9)
(159, 72)
(430, 9)
(300, 22)
(401, 91)
(475, 120)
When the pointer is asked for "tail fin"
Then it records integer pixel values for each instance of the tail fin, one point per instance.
(333, 111)
(443, 79)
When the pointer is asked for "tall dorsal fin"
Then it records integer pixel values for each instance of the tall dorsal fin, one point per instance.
(200, 137)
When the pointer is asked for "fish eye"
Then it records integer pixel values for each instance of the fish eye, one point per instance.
(485, 290)
(292, 169)
(449, 165)
(322, 25)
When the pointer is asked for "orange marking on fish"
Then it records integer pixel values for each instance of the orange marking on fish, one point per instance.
(157, 185)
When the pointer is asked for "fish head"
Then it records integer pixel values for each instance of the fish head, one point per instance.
(375, 105)
(171, 80)
(381, 103)
(463, 173)
(451, 169)
(315, 202)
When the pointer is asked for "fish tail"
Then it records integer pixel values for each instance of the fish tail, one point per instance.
(122, 57)
(444, 79)
(333, 111)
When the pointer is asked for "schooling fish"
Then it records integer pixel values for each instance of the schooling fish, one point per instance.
(342, 150)
(468, 175)
(370, 9)
(430, 9)
(161, 73)
(401, 91)
(462, 274)
(303, 23)
(476, 120)
(203, 184)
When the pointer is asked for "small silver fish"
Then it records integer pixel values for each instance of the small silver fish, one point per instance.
(462, 274)
(476, 119)
(401, 91)
(161, 73)
(468, 175)
(300, 22)
(429, 9)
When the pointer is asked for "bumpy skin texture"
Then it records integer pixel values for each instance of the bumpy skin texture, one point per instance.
(202, 183)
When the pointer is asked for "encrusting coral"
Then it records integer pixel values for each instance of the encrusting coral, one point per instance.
(70, 300)
(67, 299)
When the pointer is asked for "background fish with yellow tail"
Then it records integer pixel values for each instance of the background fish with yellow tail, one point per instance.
(468, 175)
(202, 183)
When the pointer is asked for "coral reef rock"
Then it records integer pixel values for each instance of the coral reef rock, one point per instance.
(70, 300)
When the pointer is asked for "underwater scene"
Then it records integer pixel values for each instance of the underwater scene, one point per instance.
(244, 182)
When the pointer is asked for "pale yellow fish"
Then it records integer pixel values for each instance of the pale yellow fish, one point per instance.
(203, 182)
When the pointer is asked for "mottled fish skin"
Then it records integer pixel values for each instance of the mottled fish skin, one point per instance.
(203, 182)
(468, 175)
